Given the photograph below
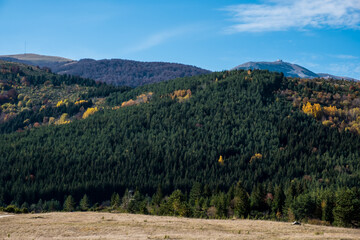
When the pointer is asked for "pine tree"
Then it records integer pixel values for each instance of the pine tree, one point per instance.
(195, 194)
(84, 203)
(278, 202)
(327, 206)
(347, 209)
(69, 204)
(157, 196)
(241, 201)
(115, 200)
(257, 199)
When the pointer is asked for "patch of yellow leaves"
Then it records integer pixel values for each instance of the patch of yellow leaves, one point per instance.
(182, 95)
(89, 112)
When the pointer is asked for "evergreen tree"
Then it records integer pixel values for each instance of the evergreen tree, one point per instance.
(195, 194)
(158, 196)
(84, 203)
(126, 199)
(39, 206)
(327, 206)
(347, 208)
(69, 204)
(115, 201)
(278, 202)
(257, 199)
(241, 201)
(137, 204)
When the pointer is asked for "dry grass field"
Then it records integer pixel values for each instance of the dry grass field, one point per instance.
(91, 225)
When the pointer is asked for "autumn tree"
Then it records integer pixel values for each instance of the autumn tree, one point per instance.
(89, 112)
(314, 110)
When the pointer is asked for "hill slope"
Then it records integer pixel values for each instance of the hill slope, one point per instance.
(33, 97)
(173, 140)
(113, 71)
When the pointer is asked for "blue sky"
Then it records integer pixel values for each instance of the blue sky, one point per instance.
(322, 35)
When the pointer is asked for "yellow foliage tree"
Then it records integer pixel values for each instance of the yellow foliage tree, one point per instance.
(51, 120)
(80, 102)
(62, 102)
(89, 112)
(63, 119)
(327, 123)
(314, 110)
(221, 160)
(181, 94)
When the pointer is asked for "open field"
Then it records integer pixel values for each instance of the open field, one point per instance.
(90, 225)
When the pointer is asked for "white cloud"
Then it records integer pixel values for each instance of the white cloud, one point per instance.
(159, 38)
(281, 15)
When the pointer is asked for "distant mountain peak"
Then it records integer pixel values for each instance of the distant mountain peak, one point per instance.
(289, 69)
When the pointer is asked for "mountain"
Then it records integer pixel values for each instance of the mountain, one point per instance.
(289, 69)
(33, 58)
(112, 71)
(36, 60)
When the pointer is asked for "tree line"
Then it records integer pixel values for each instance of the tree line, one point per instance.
(339, 207)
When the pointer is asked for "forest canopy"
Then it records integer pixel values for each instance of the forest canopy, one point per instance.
(215, 130)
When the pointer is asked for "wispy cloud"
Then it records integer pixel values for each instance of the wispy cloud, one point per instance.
(159, 38)
(281, 15)
(345, 57)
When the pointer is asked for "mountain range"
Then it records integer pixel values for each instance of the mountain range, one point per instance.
(130, 73)
(113, 71)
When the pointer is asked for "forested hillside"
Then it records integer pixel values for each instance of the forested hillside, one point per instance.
(32, 97)
(226, 135)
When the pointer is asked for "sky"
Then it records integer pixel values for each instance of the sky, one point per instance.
(321, 35)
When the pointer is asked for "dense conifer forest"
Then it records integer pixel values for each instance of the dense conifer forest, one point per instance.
(233, 143)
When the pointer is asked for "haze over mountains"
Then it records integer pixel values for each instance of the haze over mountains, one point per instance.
(113, 71)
